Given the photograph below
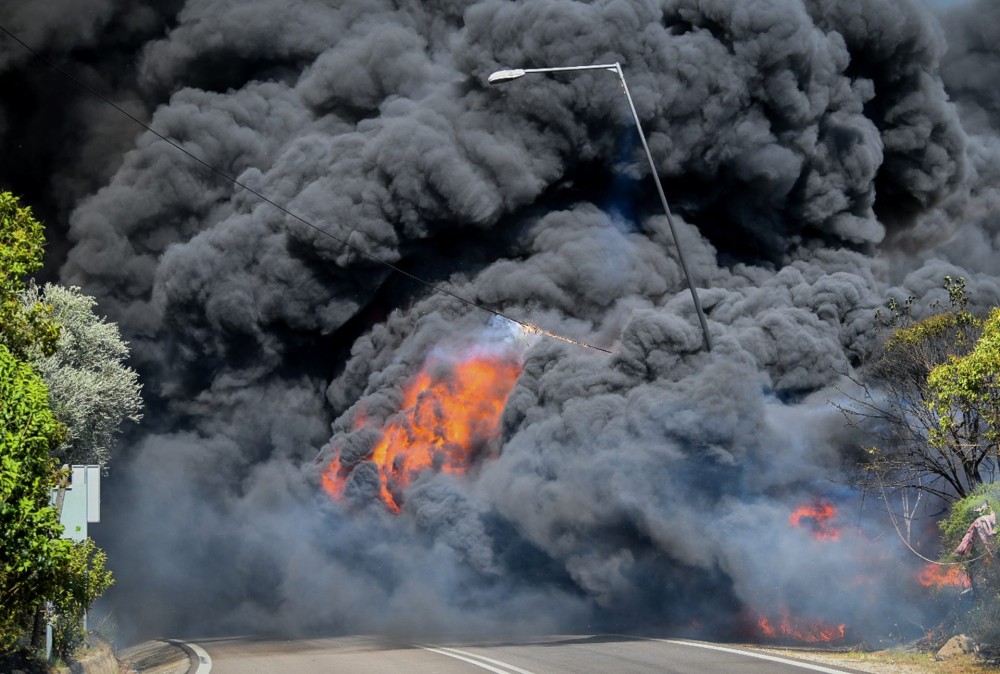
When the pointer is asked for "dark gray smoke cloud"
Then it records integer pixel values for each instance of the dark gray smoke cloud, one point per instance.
(966, 222)
(816, 165)
(59, 142)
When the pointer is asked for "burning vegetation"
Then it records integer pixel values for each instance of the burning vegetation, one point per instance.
(784, 626)
(788, 628)
(818, 517)
(937, 575)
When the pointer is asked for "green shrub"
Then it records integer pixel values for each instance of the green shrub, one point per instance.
(983, 567)
(32, 552)
(84, 580)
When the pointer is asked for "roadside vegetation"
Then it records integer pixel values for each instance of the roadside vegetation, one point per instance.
(64, 392)
(893, 661)
(980, 561)
(929, 403)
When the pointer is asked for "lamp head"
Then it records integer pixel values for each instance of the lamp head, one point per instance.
(505, 75)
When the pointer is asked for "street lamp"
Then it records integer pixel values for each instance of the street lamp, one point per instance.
(508, 75)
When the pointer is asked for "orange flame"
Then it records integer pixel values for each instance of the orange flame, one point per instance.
(818, 516)
(935, 575)
(789, 628)
(450, 410)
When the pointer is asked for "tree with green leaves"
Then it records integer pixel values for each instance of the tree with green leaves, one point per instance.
(38, 567)
(965, 398)
(927, 435)
(22, 328)
(931, 406)
(33, 556)
(91, 389)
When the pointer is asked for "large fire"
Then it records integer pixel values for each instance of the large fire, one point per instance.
(935, 575)
(818, 516)
(450, 410)
(786, 627)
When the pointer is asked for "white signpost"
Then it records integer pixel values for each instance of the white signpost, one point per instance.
(82, 502)
(81, 505)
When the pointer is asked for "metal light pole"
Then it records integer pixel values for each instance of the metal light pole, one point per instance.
(507, 75)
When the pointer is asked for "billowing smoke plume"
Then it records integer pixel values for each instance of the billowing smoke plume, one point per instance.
(816, 167)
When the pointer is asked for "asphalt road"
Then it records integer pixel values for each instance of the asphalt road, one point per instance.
(584, 654)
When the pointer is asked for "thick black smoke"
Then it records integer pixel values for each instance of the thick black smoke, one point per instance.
(59, 142)
(816, 166)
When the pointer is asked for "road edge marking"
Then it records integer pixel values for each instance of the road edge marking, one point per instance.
(763, 656)
(202, 661)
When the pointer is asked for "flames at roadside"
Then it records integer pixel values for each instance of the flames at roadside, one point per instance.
(818, 518)
(938, 576)
(785, 627)
(450, 411)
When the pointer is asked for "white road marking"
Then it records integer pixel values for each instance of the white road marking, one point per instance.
(490, 660)
(479, 661)
(204, 659)
(762, 656)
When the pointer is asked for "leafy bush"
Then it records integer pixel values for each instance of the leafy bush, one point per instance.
(32, 554)
(84, 580)
(982, 565)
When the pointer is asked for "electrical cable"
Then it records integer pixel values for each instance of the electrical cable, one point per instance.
(530, 327)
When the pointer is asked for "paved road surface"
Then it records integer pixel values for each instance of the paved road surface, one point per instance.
(371, 655)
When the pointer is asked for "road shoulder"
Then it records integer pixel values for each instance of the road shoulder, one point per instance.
(881, 662)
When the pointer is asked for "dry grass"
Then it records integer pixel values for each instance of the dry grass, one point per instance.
(891, 661)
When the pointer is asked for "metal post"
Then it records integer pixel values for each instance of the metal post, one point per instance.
(666, 209)
(507, 75)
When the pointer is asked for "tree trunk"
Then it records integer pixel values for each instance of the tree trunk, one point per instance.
(38, 631)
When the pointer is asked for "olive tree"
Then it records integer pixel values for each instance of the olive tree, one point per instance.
(91, 389)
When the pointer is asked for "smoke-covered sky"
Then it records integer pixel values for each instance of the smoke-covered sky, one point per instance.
(820, 156)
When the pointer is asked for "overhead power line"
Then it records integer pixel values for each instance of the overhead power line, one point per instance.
(530, 327)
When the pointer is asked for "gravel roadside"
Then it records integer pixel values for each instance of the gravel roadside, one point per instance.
(884, 662)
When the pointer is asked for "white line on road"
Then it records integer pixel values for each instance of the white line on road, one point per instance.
(490, 660)
(204, 665)
(480, 661)
(762, 656)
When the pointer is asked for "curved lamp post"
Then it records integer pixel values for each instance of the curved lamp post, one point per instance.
(508, 75)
